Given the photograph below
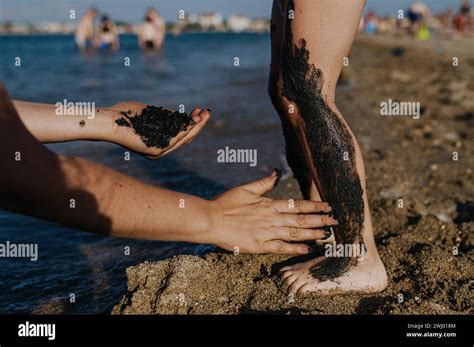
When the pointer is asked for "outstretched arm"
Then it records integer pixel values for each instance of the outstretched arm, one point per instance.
(84, 194)
(89, 196)
(56, 123)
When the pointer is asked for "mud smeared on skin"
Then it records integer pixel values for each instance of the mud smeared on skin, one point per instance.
(123, 122)
(278, 174)
(156, 126)
(82, 123)
(329, 140)
(295, 158)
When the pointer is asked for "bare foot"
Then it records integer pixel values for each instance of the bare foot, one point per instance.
(332, 275)
(368, 276)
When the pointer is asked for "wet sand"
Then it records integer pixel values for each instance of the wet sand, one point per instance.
(405, 158)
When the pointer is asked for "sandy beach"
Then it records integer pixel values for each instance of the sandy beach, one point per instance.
(420, 188)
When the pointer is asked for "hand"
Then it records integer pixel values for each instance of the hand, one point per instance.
(243, 218)
(128, 138)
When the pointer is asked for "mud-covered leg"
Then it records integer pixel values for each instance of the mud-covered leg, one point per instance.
(311, 61)
(294, 150)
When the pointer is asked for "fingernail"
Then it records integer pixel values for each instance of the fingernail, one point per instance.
(327, 234)
(327, 208)
(208, 109)
(277, 173)
(304, 250)
(197, 118)
(335, 222)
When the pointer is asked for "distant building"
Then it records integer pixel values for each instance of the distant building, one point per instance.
(54, 28)
(211, 20)
(238, 23)
(260, 25)
(206, 20)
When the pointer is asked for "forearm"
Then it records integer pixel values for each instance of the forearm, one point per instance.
(89, 196)
(50, 123)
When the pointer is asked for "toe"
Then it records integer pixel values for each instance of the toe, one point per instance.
(286, 274)
(290, 279)
(305, 288)
(296, 285)
(286, 268)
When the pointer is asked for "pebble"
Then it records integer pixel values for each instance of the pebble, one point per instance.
(451, 136)
(444, 217)
(390, 193)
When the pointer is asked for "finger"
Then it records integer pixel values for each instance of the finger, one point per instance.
(298, 234)
(301, 206)
(304, 221)
(188, 137)
(262, 185)
(200, 117)
(206, 110)
(195, 114)
(204, 115)
(286, 269)
(182, 134)
(280, 247)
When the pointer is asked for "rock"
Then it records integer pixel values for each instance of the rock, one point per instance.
(444, 217)
(400, 76)
(451, 136)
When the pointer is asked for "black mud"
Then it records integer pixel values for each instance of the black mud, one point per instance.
(294, 155)
(330, 141)
(156, 126)
(278, 173)
(328, 269)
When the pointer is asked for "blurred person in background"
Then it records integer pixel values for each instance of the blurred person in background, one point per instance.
(462, 21)
(151, 33)
(370, 21)
(85, 34)
(108, 34)
(419, 14)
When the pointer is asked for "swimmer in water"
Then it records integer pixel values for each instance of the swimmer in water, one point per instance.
(38, 182)
(151, 33)
(84, 35)
(108, 35)
(321, 148)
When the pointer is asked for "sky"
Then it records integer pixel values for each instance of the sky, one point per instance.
(132, 11)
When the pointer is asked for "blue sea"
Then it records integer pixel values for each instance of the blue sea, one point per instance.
(194, 70)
